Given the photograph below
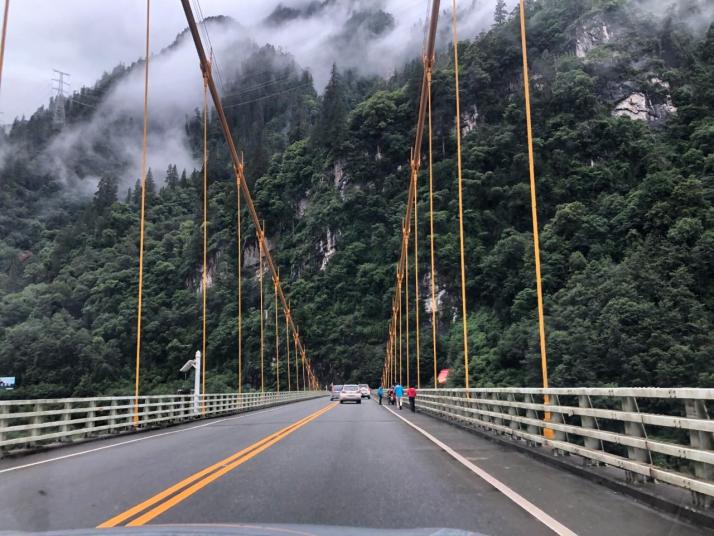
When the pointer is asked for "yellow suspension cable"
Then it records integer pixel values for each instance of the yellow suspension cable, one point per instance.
(400, 327)
(461, 203)
(417, 305)
(4, 35)
(297, 368)
(223, 122)
(239, 270)
(534, 213)
(431, 233)
(277, 337)
(394, 342)
(144, 147)
(406, 295)
(204, 275)
(262, 344)
(287, 345)
(304, 386)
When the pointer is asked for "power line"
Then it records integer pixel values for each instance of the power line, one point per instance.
(268, 96)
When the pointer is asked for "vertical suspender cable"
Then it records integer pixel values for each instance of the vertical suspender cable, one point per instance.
(239, 270)
(297, 368)
(534, 209)
(142, 218)
(400, 327)
(277, 337)
(260, 255)
(304, 385)
(204, 276)
(417, 305)
(4, 35)
(431, 236)
(461, 203)
(406, 295)
(287, 346)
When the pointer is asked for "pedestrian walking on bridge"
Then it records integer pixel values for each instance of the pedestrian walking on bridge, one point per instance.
(411, 393)
(380, 394)
(398, 394)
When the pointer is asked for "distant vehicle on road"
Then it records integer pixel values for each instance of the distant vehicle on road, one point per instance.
(350, 393)
(335, 393)
(364, 389)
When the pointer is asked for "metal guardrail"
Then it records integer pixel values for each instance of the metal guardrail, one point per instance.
(653, 434)
(46, 422)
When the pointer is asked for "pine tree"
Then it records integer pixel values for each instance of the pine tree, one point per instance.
(500, 13)
(150, 185)
(333, 112)
(106, 194)
(172, 177)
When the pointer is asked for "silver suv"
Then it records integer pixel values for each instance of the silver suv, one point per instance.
(350, 393)
(364, 390)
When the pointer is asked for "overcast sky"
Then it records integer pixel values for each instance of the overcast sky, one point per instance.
(87, 37)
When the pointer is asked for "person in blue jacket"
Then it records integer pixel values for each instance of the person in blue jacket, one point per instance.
(380, 394)
(398, 394)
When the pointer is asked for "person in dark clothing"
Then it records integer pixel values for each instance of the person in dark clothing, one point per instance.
(411, 394)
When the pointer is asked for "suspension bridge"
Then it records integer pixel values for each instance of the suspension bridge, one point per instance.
(535, 460)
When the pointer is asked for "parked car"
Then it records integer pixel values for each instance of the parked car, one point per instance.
(335, 393)
(364, 389)
(350, 393)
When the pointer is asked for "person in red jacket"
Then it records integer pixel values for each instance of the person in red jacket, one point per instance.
(411, 393)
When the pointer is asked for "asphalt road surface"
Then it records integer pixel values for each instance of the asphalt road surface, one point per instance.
(312, 463)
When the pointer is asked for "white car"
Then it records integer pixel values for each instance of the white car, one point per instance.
(350, 393)
(364, 390)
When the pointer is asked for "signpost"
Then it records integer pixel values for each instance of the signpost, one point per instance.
(195, 364)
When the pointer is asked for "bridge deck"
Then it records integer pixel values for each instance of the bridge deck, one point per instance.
(354, 465)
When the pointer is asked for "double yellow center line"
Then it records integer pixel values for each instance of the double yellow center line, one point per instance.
(180, 491)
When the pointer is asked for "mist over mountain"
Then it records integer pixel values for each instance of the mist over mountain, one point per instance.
(324, 115)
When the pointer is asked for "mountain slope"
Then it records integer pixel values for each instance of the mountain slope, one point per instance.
(623, 115)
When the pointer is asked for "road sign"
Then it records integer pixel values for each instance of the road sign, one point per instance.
(7, 382)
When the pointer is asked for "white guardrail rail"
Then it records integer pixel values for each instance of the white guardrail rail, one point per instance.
(29, 424)
(653, 434)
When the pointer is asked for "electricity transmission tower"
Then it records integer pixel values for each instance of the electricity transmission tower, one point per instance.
(58, 86)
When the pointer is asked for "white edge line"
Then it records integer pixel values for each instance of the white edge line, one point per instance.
(521, 501)
(41, 462)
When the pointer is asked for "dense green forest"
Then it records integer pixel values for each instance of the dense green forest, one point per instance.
(623, 106)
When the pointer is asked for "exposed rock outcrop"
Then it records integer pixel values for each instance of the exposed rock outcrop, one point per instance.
(593, 35)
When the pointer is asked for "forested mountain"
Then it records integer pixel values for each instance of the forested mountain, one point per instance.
(623, 100)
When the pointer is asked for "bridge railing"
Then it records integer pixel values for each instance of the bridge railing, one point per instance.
(653, 434)
(49, 422)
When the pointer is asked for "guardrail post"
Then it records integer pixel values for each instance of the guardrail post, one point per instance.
(497, 409)
(35, 422)
(635, 429)
(557, 418)
(476, 400)
(90, 415)
(4, 419)
(532, 414)
(66, 416)
(514, 425)
(696, 409)
(112, 422)
(589, 422)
